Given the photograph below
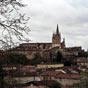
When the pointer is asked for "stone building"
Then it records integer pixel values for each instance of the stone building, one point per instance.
(56, 39)
(47, 50)
(29, 49)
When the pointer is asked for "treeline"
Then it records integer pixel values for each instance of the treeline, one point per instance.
(13, 58)
(19, 59)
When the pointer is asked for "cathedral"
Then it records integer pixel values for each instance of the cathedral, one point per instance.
(29, 49)
(56, 42)
(47, 50)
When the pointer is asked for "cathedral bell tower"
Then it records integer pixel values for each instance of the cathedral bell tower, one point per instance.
(56, 38)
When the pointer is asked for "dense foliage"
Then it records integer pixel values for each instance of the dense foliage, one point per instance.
(54, 85)
(2, 75)
(83, 54)
(83, 81)
(36, 59)
(14, 59)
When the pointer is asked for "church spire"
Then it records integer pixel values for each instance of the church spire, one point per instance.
(57, 30)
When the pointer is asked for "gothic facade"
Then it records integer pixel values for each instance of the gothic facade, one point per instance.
(56, 39)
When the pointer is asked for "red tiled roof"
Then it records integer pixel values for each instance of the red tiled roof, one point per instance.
(49, 73)
(68, 76)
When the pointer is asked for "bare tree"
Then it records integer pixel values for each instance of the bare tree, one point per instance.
(13, 23)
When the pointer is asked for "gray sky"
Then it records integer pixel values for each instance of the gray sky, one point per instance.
(70, 15)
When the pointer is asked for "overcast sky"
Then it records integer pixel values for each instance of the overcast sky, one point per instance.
(70, 15)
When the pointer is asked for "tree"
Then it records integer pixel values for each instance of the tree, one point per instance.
(2, 74)
(15, 59)
(13, 23)
(83, 81)
(54, 85)
(36, 59)
(82, 54)
(59, 57)
(82, 84)
(13, 26)
(67, 63)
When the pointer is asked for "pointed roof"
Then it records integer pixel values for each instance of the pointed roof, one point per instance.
(57, 30)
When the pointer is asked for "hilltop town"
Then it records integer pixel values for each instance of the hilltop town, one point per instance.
(36, 65)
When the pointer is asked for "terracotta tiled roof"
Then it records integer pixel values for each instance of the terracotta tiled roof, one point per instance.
(15, 73)
(49, 73)
(68, 76)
